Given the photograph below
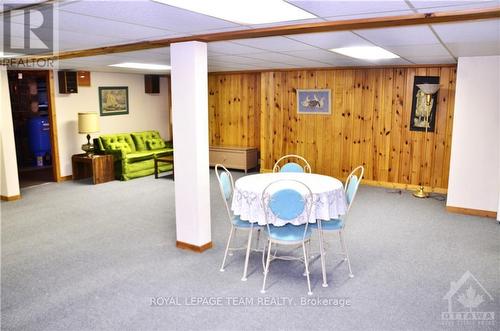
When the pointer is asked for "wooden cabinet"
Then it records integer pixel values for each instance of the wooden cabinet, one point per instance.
(242, 158)
(99, 167)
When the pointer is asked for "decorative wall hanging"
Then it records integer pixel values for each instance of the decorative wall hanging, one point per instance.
(423, 109)
(113, 100)
(314, 102)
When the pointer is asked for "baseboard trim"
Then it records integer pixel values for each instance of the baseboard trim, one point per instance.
(470, 211)
(397, 186)
(194, 248)
(400, 186)
(10, 198)
(65, 178)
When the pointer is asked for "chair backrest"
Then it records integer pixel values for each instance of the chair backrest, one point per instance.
(292, 166)
(352, 184)
(287, 199)
(226, 185)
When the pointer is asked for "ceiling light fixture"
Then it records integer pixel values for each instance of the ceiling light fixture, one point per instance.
(365, 52)
(244, 12)
(146, 66)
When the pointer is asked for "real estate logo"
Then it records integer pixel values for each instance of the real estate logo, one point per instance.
(28, 29)
(469, 303)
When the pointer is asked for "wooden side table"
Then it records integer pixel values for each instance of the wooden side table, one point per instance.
(99, 167)
(164, 159)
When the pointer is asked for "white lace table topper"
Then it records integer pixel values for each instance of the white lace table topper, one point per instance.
(328, 197)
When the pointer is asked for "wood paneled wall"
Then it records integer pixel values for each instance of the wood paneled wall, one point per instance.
(234, 109)
(369, 124)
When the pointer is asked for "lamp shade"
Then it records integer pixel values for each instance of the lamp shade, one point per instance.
(88, 122)
(428, 88)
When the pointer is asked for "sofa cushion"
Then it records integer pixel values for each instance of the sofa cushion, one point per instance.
(108, 139)
(147, 164)
(162, 152)
(139, 156)
(155, 143)
(140, 138)
(119, 146)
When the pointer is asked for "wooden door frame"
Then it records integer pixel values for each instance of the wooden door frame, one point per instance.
(56, 167)
(49, 78)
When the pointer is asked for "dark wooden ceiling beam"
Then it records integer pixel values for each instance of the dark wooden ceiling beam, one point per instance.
(344, 25)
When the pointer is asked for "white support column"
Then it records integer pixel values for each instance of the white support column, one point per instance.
(8, 164)
(475, 149)
(189, 79)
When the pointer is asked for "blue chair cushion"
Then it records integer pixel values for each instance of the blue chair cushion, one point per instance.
(291, 167)
(226, 185)
(331, 225)
(288, 232)
(287, 204)
(352, 187)
(239, 223)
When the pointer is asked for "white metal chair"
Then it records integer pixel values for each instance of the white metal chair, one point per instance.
(350, 189)
(287, 200)
(292, 166)
(226, 185)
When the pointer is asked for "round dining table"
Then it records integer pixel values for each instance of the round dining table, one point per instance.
(329, 199)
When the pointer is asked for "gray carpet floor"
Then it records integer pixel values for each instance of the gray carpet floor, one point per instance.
(81, 257)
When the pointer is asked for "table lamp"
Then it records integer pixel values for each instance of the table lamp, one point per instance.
(88, 123)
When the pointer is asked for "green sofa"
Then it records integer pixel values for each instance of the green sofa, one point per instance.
(134, 153)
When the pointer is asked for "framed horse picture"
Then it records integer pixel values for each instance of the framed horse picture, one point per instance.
(314, 102)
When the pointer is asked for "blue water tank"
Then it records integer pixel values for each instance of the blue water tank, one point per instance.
(39, 137)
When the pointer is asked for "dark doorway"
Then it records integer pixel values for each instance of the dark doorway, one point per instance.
(29, 97)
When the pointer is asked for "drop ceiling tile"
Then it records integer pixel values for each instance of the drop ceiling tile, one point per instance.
(319, 55)
(273, 44)
(148, 13)
(386, 62)
(235, 59)
(273, 57)
(432, 60)
(73, 41)
(400, 36)
(479, 31)
(100, 26)
(99, 59)
(229, 66)
(419, 50)
(71, 64)
(268, 25)
(286, 59)
(474, 49)
(155, 53)
(426, 5)
(327, 40)
(340, 8)
(230, 48)
(304, 63)
(369, 15)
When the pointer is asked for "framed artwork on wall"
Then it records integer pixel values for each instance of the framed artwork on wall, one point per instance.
(423, 111)
(314, 102)
(113, 100)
